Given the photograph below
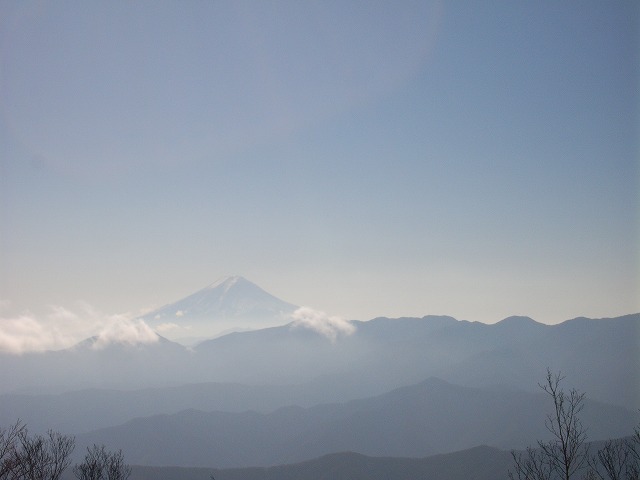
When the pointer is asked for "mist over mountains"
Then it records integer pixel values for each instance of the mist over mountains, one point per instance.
(301, 384)
(414, 421)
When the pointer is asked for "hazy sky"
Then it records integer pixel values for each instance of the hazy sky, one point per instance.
(476, 159)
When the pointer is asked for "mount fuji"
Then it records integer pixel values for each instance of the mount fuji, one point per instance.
(230, 304)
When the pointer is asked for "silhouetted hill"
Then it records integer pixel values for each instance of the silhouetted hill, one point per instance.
(91, 409)
(479, 463)
(431, 417)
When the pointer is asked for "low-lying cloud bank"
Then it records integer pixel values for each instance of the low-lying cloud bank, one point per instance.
(329, 326)
(62, 328)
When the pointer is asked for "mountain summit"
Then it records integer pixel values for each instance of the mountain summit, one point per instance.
(230, 304)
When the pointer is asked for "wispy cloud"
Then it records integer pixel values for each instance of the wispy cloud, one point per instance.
(124, 330)
(61, 327)
(329, 326)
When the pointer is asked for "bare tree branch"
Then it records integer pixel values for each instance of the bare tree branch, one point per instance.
(41, 457)
(566, 453)
(8, 444)
(100, 464)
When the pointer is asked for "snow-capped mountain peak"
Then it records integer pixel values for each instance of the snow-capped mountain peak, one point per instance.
(231, 303)
(227, 282)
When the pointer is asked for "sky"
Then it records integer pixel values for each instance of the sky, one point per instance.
(401, 158)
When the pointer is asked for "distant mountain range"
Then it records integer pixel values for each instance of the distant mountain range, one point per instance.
(415, 421)
(300, 385)
(478, 463)
(598, 356)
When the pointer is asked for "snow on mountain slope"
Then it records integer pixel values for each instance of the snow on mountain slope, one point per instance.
(230, 304)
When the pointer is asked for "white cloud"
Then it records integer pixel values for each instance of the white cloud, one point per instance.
(62, 328)
(124, 330)
(329, 326)
(25, 333)
(179, 313)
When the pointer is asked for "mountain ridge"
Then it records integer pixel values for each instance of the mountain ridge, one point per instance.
(379, 355)
(480, 463)
(428, 418)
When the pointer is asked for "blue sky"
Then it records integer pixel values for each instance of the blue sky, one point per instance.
(476, 159)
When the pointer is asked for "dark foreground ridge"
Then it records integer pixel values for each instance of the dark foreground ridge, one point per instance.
(479, 463)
